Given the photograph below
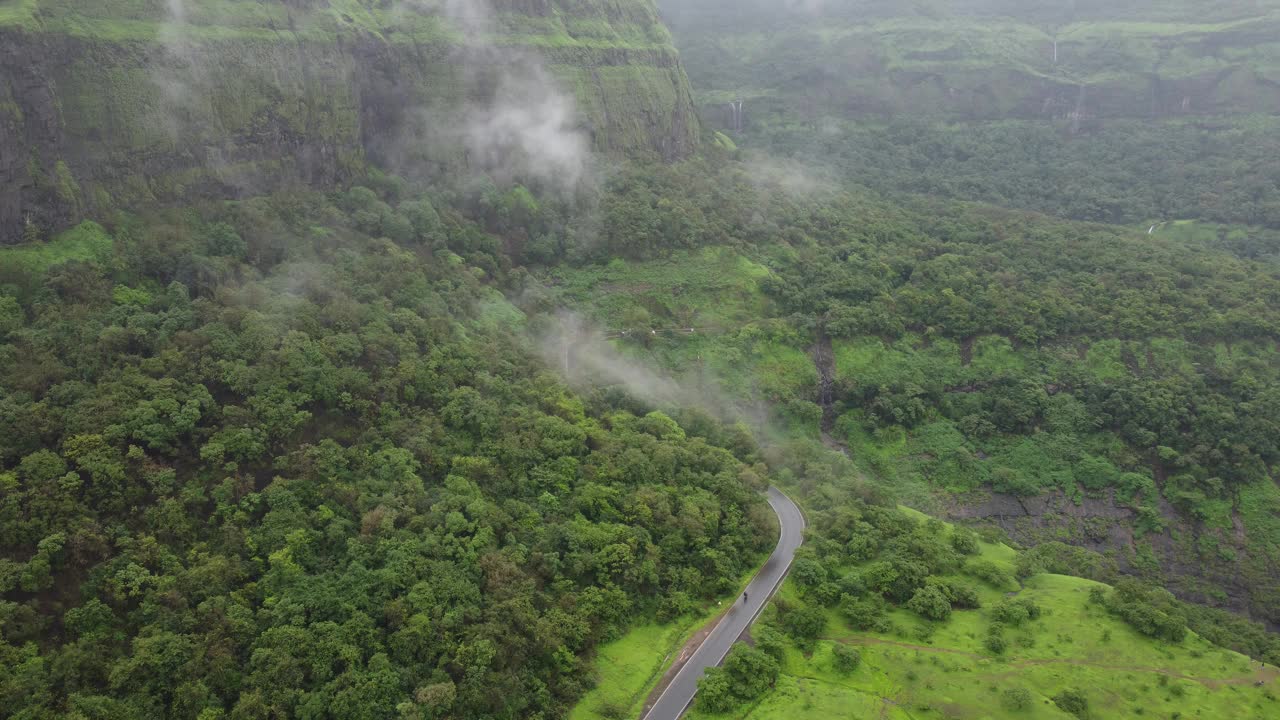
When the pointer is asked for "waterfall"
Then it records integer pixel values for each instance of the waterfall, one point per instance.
(735, 112)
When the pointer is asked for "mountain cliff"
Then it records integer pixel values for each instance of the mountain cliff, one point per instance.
(113, 104)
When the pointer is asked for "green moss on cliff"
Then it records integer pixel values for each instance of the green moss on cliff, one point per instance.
(637, 101)
(24, 266)
(143, 109)
(18, 13)
(67, 187)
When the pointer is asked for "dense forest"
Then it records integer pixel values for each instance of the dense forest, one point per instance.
(1122, 172)
(263, 461)
(973, 348)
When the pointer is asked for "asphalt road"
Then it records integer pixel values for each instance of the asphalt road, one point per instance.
(679, 694)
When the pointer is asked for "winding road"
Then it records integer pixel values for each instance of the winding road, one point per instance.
(679, 694)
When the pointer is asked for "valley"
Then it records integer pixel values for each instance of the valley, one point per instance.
(439, 360)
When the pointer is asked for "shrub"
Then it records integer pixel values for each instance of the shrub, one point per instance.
(611, 710)
(1015, 611)
(864, 613)
(746, 675)
(988, 571)
(805, 624)
(1016, 699)
(965, 541)
(828, 594)
(959, 594)
(996, 643)
(1074, 702)
(846, 658)
(1063, 559)
(1152, 612)
(808, 572)
(930, 602)
(673, 605)
(770, 641)
(715, 693)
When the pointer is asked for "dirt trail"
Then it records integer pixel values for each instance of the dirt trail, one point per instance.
(1263, 675)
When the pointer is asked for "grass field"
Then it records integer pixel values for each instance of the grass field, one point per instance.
(702, 313)
(228, 20)
(713, 289)
(628, 668)
(942, 670)
(22, 267)
(919, 669)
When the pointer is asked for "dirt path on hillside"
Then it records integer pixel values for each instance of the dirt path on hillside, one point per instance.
(1263, 675)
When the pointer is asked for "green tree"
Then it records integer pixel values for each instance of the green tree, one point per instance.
(12, 316)
(930, 602)
(1016, 699)
(1074, 702)
(845, 658)
(805, 624)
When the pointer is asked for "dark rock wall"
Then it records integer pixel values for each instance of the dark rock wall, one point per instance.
(90, 121)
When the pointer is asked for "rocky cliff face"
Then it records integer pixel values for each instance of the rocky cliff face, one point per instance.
(125, 103)
(1216, 566)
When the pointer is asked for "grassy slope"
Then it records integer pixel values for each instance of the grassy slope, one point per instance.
(716, 293)
(629, 668)
(593, 25)
(24, 266)
(951, 673)
(1073, 645)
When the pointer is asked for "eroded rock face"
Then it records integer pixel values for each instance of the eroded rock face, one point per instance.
(99, 111)
(28, 119)
(1201, 564)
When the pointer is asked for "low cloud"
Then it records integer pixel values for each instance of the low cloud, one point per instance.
(586, 358)
(513, 123)
(792, 178)
(518, 122)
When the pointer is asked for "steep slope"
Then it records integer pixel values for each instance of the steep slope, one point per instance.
(117, 103)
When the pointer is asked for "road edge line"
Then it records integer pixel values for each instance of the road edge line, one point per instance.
(804, 523)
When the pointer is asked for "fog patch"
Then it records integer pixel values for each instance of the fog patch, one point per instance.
(791, 178)
(176, 75)
(586, 357)
(810, 7)
(517, 124)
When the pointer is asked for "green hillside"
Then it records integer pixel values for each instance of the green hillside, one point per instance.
(1022, 643)
(262, 460)
(430, 359)
(1040, 402)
